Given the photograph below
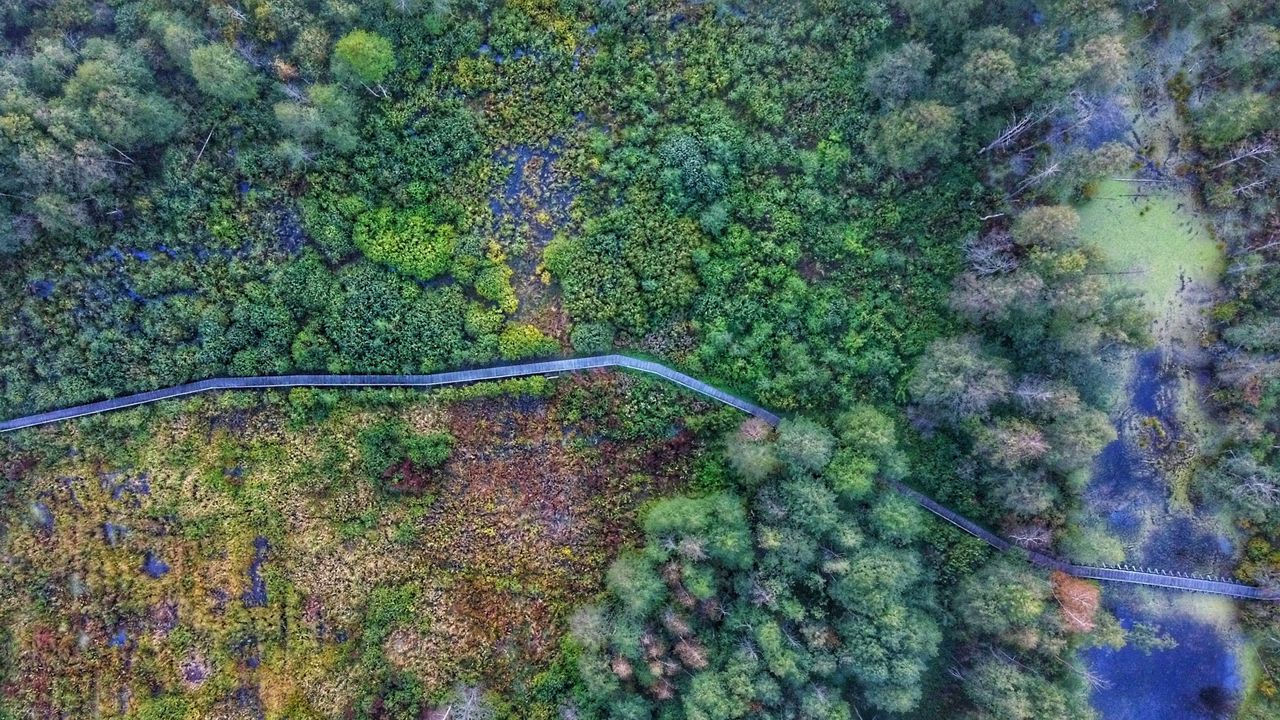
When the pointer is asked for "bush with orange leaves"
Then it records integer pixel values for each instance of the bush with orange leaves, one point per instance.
(1077, 599)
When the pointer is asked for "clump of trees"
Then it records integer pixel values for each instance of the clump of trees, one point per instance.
(966, 67)
(1025, 390)
(815, 602)
(76, 118)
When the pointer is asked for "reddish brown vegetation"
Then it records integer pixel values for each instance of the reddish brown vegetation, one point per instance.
(754, 429)
(527, 513)
(1077, 599)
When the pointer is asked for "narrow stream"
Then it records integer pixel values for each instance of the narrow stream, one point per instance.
(1200, 679)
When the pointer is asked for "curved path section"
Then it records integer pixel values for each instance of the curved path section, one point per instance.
(1154, 578)
(457, 377)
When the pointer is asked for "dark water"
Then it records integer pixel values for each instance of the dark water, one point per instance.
(256, 594)
(1194, 681)
(1199, 679)
(153, 566)
(537, 201)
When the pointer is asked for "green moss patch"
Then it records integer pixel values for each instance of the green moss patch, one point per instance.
(1153, 243)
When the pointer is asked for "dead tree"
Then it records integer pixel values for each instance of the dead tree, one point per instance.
(1266, 147)
(1084, 113)
(1038, 178)
(469, 704)
(1248, 188)
(1012, 131)
(1032, 537)
(991, 254)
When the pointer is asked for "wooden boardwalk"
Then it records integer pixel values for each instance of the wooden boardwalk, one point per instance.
(1137, 576)
(1152, 577)
(456, 377)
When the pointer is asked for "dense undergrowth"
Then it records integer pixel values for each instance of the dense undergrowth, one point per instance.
(688, 199)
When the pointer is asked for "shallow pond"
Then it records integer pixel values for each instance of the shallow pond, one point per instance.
(1200, 679)
(1155, 242)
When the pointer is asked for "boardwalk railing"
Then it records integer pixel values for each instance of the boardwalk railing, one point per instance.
(1138, 576)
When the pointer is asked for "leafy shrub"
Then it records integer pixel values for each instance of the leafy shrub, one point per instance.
(163, 708)
(410, 241)
(1232, 116)
(519, 340)
(494, 283)
(383, 322)
(389, 443)
(921, 133)
(483, 320)
(592, 338)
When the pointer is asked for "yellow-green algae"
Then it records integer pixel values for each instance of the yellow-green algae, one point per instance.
(1154, 242)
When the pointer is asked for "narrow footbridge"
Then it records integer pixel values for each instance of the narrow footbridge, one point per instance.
(457, 377)
(1137, 576)
(1153, 578)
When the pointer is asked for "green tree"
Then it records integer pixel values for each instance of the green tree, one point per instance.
(110, 97)
(900, 74)
(58, 215)
(363, 57)
(867, 430)
(896, 519)
(1006, 692)
(957, 379)
(1004, 596)
(851, 475)
(632, 580)
(1231, 116)
(713, 528)
(922, 133)
(1252, 49)
(941, 17)
(51, 62)
(753, 459)
(222, 74)
(328, 116)
(990, 77)
(804, 444)
(177, 34)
